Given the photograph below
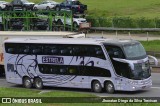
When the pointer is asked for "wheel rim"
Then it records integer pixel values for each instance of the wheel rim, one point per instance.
(48, 8)
(24, 9)
(110, 87)
(38, 84)
(96, 86)
(57, 8)
(27, 83)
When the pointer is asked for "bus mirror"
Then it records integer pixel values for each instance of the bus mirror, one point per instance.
(152, 60)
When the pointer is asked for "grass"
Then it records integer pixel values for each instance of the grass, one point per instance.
(22, 92)
(111, 8)
(151, 45)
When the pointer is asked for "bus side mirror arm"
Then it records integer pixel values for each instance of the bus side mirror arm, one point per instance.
(155, 60)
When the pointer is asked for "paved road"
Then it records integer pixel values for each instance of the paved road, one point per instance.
(153, 92)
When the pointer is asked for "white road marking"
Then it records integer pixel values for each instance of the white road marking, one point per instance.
(44, 91)
(156, 87)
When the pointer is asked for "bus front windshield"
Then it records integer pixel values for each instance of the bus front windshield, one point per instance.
(140, 71)
(134, 51)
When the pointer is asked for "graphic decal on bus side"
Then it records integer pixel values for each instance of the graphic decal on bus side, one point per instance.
(81, 60)
(51, 59)
(21, 68)
(88, 63)
(29, 65)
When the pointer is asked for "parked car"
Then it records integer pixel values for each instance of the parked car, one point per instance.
(74, 5)
(16, 24)
(45, 5)
(1, 25)
(3, 5)
(20, 5)
(40, 24)
(75, 21)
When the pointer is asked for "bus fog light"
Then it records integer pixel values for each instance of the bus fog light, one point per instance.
(133, 87)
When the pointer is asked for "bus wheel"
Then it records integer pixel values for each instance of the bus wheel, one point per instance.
(109, 87)
(38, 83)
(96, 87)
(27, 82)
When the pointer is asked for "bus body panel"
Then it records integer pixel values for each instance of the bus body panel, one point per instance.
(73, 71)
(18, 66)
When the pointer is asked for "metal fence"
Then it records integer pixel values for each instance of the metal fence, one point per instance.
(27, 18)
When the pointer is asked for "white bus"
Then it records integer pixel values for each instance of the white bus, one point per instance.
(77, 63)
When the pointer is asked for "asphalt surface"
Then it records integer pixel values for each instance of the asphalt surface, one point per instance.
(153, 92)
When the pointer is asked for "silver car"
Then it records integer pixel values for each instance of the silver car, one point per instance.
(45, 5)
(3, 5)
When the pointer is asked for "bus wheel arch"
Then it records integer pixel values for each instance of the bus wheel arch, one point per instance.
(109, 87)
(38, 83)
(27, 83)
(96, 86)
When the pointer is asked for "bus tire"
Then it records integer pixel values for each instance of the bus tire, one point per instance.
(96, 87)
(27, 82)
(109, 87)
(38, 83)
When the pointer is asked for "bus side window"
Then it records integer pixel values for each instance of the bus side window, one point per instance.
(54, 51)
(95, 71)
(11, 48)
(98, 52)
(73, 70)
(36, 49)
(76, 51)
(83, 51)
(51, 50)
(26, 49)
(66, 50)
(114, 52)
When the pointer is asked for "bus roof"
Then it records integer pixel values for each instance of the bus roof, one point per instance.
(69, 41)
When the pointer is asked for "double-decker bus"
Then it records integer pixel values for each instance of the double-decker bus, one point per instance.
(88, 63)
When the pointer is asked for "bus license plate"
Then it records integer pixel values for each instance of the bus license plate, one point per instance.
(143, 87)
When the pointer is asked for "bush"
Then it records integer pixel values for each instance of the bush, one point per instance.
(105, 22)
(157, 22)
(94, 22)
(124, 22)
(145, 23)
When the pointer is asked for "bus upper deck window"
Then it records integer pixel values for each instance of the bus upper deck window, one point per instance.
(10, 50)
(54, 51)
(114, 51)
